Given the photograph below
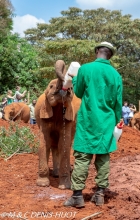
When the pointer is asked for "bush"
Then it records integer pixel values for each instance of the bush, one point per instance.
(17, 139)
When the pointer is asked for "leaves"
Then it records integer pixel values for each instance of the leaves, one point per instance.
(72, 37)
(17, 139)
(19, 64)
(6, 14)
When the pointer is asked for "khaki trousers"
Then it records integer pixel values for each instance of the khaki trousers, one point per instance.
(81, 166)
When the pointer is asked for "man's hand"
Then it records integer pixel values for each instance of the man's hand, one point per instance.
(70, 74)
(121, 123)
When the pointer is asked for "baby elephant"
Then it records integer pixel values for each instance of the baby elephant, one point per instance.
(135, 121)
(16, 111)
(55, 116)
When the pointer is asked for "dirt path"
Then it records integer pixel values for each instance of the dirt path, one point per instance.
(20, 198)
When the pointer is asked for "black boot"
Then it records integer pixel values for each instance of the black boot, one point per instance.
(77, 193)
(98, 196)
(76, 200)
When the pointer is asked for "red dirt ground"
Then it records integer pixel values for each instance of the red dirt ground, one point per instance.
(21, 198)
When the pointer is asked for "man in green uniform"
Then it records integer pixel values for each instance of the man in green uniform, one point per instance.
(99, 86)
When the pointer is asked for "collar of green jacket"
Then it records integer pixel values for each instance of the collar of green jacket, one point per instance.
(101, 60)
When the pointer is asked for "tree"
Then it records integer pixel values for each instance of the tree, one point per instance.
(6, 14)
(64, 33)
(18, 58)
(19, 64)
(68, 50)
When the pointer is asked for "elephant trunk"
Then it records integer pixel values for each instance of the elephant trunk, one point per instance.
(7, 117)
(60, 69)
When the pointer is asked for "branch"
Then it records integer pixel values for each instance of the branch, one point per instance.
(90, 216)
(12, 154)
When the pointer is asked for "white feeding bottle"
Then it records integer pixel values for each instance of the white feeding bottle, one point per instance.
(118, 130)
(73, 69)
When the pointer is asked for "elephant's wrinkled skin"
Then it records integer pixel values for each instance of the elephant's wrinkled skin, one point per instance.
(135, 121)
(17, 111)
(57, 126)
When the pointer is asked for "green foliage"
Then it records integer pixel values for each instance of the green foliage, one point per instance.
(19, 65)
(17, 139)
(73, 36)
(67, 50)
(18, 59)
(6, 14)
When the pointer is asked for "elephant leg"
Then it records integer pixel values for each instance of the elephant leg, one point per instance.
(44, 152)
(133, 122)
(55, 156)
(137, 124)
(64, 146)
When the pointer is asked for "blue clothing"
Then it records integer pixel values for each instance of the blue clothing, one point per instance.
(125, 111)
(126, 121)
(125, 114)
(17, 93)
(32, 121)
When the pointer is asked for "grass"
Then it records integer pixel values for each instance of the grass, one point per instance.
(17, 139)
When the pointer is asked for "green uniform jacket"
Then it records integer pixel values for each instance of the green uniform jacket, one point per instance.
(99, 86)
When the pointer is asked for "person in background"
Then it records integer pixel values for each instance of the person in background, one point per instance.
(25, 101)
(18, 95)
(132, 111)
(10, 98)
(4, 102)
(2, 105)
(99, 86)
(125, 113)
(32, 112)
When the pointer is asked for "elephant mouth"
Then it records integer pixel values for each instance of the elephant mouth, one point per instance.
(60, 97)
(63, 93)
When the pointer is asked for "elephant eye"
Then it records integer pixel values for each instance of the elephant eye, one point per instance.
(51, 86)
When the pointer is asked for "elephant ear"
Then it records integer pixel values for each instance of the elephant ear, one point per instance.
(12, 112)
(46, 109)
(69, 113)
